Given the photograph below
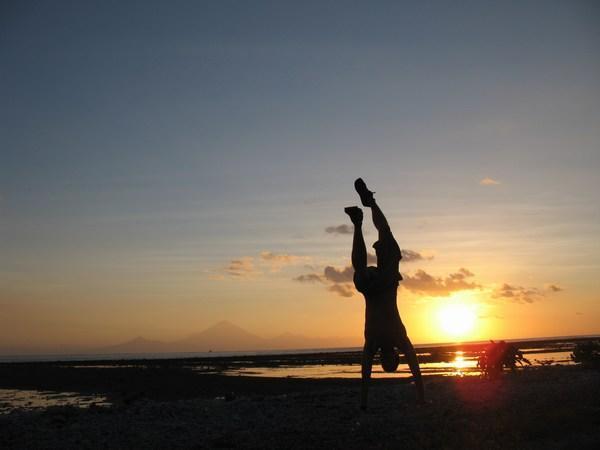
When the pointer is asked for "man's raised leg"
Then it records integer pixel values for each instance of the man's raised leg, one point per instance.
(379, 220)
(366, 197)
(359, 249)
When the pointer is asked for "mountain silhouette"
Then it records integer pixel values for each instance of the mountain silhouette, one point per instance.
(220, 337)
(224, 336)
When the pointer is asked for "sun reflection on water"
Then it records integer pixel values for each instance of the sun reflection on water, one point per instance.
(460, 364)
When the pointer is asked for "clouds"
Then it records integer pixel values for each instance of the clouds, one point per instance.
(408, 256)
(346, 275)
(520, 294)
(341, 280)
(411, 256)
(339, 229)
(423, 283)
(487, 181)
(343, 290)
(309, 278)
(371, 258)
(247, 267)
(241, 268)
(278, 261)
(338, 281)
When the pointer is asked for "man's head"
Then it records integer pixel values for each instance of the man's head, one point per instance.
(389, 359)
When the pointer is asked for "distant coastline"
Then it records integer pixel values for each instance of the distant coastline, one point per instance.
(122, 356)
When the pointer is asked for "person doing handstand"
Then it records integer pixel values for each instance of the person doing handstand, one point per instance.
(384, 330)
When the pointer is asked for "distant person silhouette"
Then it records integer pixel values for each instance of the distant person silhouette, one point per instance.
(384, 330)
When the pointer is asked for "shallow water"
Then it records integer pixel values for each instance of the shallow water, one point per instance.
(11, 399)
(460, 366)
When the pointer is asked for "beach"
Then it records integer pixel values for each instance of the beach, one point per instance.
(166, 404)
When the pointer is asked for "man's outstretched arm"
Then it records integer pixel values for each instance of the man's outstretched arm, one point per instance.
(366, 367)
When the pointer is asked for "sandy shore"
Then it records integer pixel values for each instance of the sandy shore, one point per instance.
(551, 407)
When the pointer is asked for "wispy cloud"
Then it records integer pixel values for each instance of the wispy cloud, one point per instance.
(250, 266)
(338, 281)
(487, 181)
(278, 261)
(423, 283)
(215, 276)
(412, 256)
(554, 288)
(241, 268)
(345, 275)
(280, 258)
(343, 290)
(339, 229)
(408, 256)
(371, 258)
(309, 278)
(341, 280)
(518, 294)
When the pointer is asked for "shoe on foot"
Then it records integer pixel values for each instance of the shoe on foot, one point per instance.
(366, 196)
(355, 213)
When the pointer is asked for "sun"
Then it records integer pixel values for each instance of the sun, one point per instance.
(456, 319)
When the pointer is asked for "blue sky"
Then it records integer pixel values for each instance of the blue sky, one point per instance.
(149, 144)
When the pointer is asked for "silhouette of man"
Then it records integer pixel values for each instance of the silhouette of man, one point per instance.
(383, 328)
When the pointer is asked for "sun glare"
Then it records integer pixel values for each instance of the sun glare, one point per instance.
(456, 319)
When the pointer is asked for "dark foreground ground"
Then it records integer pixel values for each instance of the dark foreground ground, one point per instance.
(541, 408)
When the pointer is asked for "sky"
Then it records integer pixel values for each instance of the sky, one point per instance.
(167, 165)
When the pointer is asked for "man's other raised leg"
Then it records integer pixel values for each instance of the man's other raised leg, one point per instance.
(366, 197)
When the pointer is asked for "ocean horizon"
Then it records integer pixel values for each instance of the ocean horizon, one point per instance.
(90, 356)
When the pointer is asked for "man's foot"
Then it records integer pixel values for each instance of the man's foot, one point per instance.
(366, 196)
(355, 213)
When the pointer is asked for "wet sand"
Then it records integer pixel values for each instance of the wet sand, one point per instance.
(170, 406)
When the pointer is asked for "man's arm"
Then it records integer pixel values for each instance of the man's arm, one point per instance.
(366, 367)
